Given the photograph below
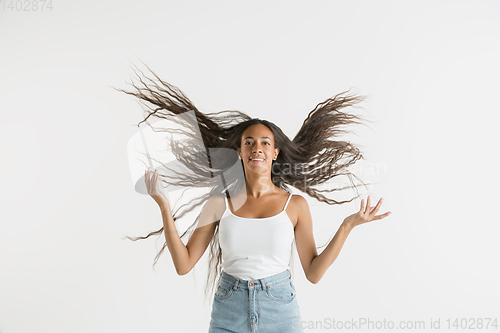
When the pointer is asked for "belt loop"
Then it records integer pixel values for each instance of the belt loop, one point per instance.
(263, 284)
(235, 286)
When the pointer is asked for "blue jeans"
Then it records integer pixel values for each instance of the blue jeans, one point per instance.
(265, 305)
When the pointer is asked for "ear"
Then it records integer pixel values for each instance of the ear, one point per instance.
(277, 151)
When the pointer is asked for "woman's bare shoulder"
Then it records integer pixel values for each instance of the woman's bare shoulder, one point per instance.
(298, 200)
(217, 205)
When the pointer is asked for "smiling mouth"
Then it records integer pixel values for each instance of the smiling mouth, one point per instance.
(257, 160)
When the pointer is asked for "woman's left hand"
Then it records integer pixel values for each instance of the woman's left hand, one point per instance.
(365, 214)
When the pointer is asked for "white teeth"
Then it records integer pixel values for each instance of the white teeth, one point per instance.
(257, 159)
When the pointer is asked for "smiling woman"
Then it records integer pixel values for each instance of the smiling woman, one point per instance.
(250, 222)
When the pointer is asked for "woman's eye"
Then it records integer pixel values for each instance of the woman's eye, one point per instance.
(267, 143)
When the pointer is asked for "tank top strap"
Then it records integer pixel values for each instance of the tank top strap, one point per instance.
(225, 200)
(288, 200)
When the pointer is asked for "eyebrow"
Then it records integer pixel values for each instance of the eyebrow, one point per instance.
(251, 137)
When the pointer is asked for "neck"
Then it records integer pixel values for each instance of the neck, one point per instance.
(257, 185)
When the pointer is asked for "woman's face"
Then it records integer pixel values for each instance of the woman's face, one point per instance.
(257, 148)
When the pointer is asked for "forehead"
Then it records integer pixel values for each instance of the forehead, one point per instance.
(258, 131)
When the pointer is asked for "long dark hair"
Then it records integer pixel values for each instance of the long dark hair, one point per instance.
(313, 157)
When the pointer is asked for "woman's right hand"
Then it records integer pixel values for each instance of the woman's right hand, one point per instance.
(153, 190)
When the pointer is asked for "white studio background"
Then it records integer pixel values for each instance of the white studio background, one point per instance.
(429, 68)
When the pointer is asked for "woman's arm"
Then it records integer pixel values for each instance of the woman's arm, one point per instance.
(315, 265)
(186, 256)
(322, 262)
(177, 249)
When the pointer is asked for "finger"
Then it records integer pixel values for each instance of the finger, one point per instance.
(361, 209)
(378, 217)
(377, 207)
(367, 205)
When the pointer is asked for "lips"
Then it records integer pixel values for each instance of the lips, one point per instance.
(257, 160)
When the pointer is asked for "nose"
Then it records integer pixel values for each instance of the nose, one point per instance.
(256, 147)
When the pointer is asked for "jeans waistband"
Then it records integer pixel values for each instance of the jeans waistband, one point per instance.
(260, 283)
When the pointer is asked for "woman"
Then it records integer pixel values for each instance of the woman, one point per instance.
(254, 219)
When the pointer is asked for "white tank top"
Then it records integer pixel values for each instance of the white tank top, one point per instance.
(255, 248)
